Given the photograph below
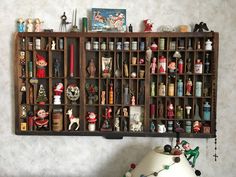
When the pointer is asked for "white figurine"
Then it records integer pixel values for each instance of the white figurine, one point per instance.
(208, 45)
(72, 119)
(29, 25)
(53, 47)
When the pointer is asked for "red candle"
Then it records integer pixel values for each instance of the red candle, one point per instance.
(152, 111)
(71, 60)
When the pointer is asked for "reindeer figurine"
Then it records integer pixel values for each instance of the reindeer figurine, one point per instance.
(72, 119)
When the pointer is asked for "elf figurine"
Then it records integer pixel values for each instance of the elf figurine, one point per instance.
(189, 153)
(41, 64)
(40, 119)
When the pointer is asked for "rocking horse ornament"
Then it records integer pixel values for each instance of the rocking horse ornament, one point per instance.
(72, 119)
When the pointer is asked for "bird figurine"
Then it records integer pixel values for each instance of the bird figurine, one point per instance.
(200, 27)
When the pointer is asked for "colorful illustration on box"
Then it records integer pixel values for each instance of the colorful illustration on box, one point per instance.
(108, 19)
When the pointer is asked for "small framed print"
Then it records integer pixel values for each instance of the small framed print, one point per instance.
(136, 118)
(113, 20)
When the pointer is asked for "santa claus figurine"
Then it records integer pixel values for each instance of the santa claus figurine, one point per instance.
(148, 25)
(58, 89)
(41, 64)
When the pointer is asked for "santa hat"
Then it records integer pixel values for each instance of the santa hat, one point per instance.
(40, 57)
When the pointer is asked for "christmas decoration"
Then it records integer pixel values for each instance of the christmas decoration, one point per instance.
(42, 97)
(41, 64)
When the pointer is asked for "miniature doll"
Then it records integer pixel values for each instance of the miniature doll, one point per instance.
(189, 87)
(38, 24)
(170, 111)
(133, 100)
(29, 25)
(172, 69)
(153, 65)
(41, 64)
(20, 25)
(148, 25)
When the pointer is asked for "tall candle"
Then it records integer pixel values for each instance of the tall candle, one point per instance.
(71, 60)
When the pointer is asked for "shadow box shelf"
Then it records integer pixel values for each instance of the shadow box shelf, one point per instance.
(116, 84)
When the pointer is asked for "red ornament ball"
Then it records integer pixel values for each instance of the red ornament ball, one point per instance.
(132, 165)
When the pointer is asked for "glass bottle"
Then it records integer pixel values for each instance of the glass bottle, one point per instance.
(207, 111)
(180, 87)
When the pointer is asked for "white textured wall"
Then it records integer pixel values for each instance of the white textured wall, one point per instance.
(96, 156)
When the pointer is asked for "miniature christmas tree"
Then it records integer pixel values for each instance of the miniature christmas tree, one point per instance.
(42, 97)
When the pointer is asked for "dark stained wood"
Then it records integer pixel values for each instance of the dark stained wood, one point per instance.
(84, 56)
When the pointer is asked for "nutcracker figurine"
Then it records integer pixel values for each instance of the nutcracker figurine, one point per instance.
(41, 64)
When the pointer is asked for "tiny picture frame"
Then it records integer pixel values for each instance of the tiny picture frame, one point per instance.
(106, 67)
(108, 20)
(136, 118)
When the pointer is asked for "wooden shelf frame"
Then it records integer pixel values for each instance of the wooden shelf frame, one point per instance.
(81, 78)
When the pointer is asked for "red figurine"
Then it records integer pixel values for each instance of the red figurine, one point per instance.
(170, 111)
(189, 87)
(197, 126)
(41, 64)
(148, 25)
(40, 119)
(58, 89)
